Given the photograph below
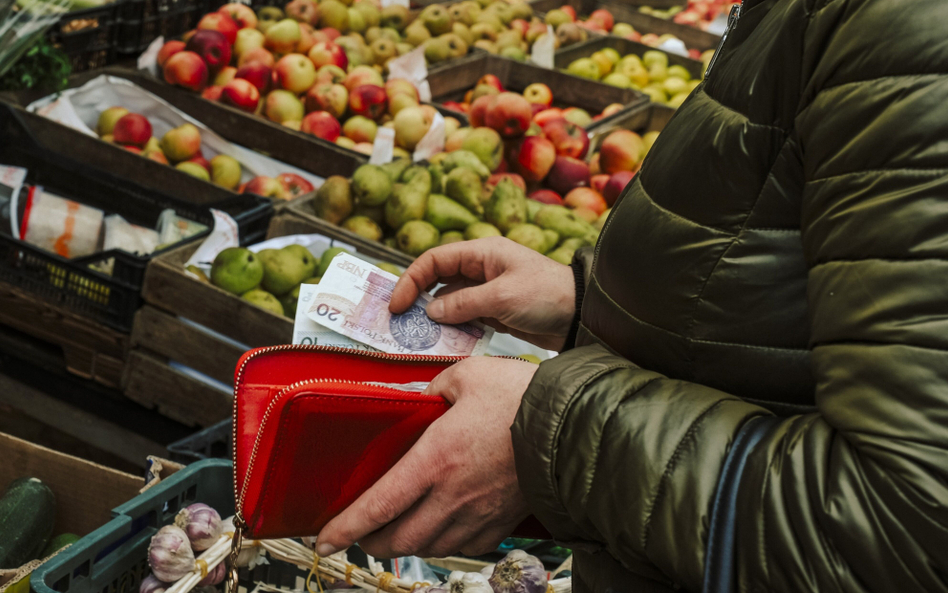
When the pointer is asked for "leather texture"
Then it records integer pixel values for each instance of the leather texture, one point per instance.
(782, 252)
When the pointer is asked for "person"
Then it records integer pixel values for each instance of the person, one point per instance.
(776, 268)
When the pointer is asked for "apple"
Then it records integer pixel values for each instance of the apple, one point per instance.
(199, 159)
(547, 115)
(267, 16)
(345, 142)
(225, 171)
(598, 183)
(622, 30)
(496, 178)
(155, 155)
(307, 39)
(132, 128)
(283, 37)
(521, 26)
(361, 75)
(254, 55)
(226, 75)
(534, 31)
(333, 98)
(586, 197)
(612, 109)
(108, 119)
(509, 114)
(621, 151)
(283, 105)
(256, 73)
(535, 158)
(331, 33)
(330, 74)
(604, 17)
(241, 14)
(569, 34)
(538, 94)
(490, 80)
(411, 125)
(455, 106)
(242, 94)
(481, 90)
(334, 14)
(247, 39)
(167, 50)
(456, 139)
(213, 48)
(569, 139)
(615, 185)
(186, 69)
(267, 187)
(567, 174)
(294, 125)
(322, 125)
(368, 100)
(304, 11)
(487, 145)
(478, 112)
(181, 143)
(328, 53)
(546, 196)
(586, 214)
(363, 147)
(594, 168)
(569, 10)
(400, 86)
(360, 129)
(295, 73)
(295, 185)
(577, 116)
(194, 170)
(219, 21)
(451, 125)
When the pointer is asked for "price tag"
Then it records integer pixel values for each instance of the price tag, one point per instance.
(382, 148)
(543, 49)
(404, 3)
(148, 61)
(433, 141)
(412, 67)
(674, 46)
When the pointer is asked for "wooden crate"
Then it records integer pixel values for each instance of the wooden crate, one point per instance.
(625, 47)
(166, 330)
(451, 84)
(692, 37)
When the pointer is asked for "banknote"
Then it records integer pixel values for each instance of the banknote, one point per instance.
(307, 331)
(353, 299)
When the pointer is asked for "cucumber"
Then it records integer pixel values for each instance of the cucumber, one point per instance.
(58, 543)
(27, 514)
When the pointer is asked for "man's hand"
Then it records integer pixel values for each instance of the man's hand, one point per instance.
(456, 489)
(508, 286)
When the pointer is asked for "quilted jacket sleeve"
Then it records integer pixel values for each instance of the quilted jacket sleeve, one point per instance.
(855, 496)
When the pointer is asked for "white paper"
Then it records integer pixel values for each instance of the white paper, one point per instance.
(12, 178)
(543, 50)
(673, 46)
(433, 142)
(413, 68)
(121, 234)
(173, 228)
(79, 108)
(224, 235)
(62, 226)
(404, 3)
(718, 25)
(148, 61)
(382, 147)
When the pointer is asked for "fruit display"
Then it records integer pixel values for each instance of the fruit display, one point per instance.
(181, 148)
(697, 13)
(650, 74)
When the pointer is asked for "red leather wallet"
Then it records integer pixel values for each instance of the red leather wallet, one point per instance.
(313, 430)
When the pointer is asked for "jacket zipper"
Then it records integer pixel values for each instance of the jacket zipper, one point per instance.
(732, 19)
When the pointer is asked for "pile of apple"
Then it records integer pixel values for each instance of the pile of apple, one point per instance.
(649, 74)
(698, 13)
(181, 148)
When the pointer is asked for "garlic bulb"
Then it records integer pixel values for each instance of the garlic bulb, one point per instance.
(468, 582)
(170, 555)
(151, 584)
(214, 576)
(202, 524)
(519, 572)
(487, 571)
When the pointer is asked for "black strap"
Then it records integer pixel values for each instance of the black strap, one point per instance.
(720, 562)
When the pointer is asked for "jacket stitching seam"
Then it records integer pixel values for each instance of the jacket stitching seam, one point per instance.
(878, 78)
(746, 118)
(675, 215)
(918, 170)
(670, 468)
(892, 260)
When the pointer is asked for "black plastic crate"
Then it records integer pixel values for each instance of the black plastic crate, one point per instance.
(137, 10)
(141, 21)
(86, 37)
(73, 284)
(214, 442)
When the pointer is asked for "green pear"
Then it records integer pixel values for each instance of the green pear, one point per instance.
(417, 236)
(532, 208)
(395, 16)
(528, 235)
(451, 237)
(264, 300)
(375, 213)
(371, 185)
(236, 270)
(411, 172)
(551, 238)
(326, 259)
(313, 280)
(285, 269)
(410, 201)
(562, 220)
(466, 159)
(487, 145)
(464, 186)
(390, 268)
(479, 230)
(396, 168)
(601, 221)
(447, 215)
(333, 201)
(416, 34)
(199, 273)
(364, 227)
(507, 206)
(306, 256)
(437, 177)
(289, 301)
(653, 57)
(437, 50)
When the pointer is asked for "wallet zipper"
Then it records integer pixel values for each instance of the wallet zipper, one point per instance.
(240, 492)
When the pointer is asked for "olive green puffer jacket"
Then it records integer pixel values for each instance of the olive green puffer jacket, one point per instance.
(783, 251)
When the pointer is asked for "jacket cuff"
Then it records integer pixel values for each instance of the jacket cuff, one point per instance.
(582, 266)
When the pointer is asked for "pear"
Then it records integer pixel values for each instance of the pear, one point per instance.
(374, 213)
(528, 235)
(199, 273)
(447, 215)
(236, 270)
(507, 206)
(564, 253)
(306, 256)
(371, 185)
(479, 230)
(264, 300)
(437, 50)
(417, 236)
(390, 242)
(464, 186)
(326, 259)
(532, 208)
(289, 301)
(364, 227)
(390, 268)
(396, 168)
(451, 237)
(333, 201)
(410, 201)
(467, 159)
(395, 16)
(437, 177)
(285, 269)
(411, 172)
(551, 238)
(436, 19)
(416, 34)
(562, 220)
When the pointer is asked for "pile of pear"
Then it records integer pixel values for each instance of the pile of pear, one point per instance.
(414, 207)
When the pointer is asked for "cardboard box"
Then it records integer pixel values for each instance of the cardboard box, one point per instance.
(85, 493)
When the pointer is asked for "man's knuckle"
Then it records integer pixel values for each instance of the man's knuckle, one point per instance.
(380, 510)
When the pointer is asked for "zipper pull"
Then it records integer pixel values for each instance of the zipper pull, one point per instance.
(732, 19)
(236, 543)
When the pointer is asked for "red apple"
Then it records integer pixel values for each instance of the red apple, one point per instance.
(637, 37)
(538, 95)
(604, 17)
(490, 79)
(546, 196)
(328, 52)
(131, 148)
(268, 187)
(594, 168)
(226, 75)
(569, 139)
(331, 74)
(509, 114)
(212, 93)
(521, 26)
(156, 155)
(322, 125)
(694, 54)
(496, 178)
(331, 33)
(304, 11)
(257, 54)
(455, 106)
(256, 73)
(363, 75)
(547, 115)
(241, 94)
(186, 69)
(570, 11)
(213, 48)
(478, 112)
(132, 128)
(585, 197)
(400, 86)
(368, 100)
(567, 174)
(241, 14)
(598, 183)
(200, 160)
(333, 98)
(167, 50)
(621, 151)
(294, 185)
(295, 73)
(535, 158)
(219, 21)
(616, 185)
(612, 108)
